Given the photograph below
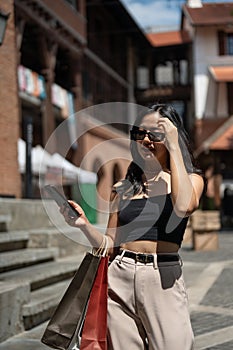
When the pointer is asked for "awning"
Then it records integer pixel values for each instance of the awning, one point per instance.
(43, 160)
(224, 141)
(222, 74)
(172, 38)
(221, 139)
(71, 171)
(38, 155)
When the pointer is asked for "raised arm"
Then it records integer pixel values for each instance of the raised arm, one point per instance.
(186, 189)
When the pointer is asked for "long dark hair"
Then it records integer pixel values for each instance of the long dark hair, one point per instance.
(133, 183)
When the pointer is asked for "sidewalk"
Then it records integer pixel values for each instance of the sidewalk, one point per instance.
(209, 282)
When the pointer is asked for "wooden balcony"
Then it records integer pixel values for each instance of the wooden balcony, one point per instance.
(58, 18)
(74, 21)
(165, 92)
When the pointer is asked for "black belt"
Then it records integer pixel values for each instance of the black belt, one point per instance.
(149, 258)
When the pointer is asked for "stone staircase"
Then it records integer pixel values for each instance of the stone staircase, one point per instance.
(36, 266)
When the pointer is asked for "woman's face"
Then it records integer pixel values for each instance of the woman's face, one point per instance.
(151, 147)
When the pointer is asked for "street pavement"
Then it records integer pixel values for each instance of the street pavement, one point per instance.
(209, 283)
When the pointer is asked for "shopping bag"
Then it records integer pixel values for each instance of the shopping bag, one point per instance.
(69, 314)
(94, 332)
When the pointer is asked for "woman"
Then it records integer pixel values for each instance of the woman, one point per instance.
(147, 302)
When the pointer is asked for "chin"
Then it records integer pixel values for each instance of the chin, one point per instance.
(147, 156)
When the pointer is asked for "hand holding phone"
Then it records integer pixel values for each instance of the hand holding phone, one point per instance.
(61, 201)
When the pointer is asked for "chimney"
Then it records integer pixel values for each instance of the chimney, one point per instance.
(194, 3)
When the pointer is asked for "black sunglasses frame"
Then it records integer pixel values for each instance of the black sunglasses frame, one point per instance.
(139, 135)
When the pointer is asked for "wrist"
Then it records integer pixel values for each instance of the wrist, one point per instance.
(84, 227)
(173, 147)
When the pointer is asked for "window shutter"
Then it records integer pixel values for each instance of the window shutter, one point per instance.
(221, 43)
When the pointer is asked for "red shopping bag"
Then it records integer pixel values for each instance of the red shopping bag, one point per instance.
(94, 333)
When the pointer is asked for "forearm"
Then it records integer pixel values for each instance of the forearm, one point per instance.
(183, 194)
(94, 236)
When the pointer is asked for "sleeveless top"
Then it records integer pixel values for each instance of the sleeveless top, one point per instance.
(150, 218)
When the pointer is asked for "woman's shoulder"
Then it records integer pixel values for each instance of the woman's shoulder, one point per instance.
(119, 188)
(116, 195)
(198, 176)
(199, 182)
(119, 185)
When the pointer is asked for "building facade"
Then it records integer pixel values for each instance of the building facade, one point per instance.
(59, 58)
(210, 27)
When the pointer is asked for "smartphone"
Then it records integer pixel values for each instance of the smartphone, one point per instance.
(61, 200)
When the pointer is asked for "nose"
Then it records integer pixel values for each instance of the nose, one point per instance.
(146, 138)
(147, 142)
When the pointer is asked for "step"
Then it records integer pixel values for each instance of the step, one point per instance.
(18, 287)
(68, 239)
(43, 303)
(26, 257)
(43, 274)
(4, 220)
(13, 240)
(27, 340)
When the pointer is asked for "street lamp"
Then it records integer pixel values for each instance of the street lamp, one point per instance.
(3, 23)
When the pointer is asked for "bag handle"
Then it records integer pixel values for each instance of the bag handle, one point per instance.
(103, 248)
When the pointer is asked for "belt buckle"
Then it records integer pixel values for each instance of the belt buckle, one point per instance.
(138, 257)
(142, 258)
(147, 260)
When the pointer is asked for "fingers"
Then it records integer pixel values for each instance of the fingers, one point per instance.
(71, 220)
(165, 123)
(168, 127)
(74, 204)
(68, 218)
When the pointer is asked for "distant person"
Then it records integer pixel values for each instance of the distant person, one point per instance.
(147, 299)
(228, 201)
(211, 199)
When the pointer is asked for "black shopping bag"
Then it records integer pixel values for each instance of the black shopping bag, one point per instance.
(68, 317)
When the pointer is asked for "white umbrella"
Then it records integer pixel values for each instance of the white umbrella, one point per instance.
(72, 172)
(69, 170)
(21, 155)
(87, 176)
(41, 160)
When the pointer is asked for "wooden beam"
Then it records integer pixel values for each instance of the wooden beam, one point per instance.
(52, 28)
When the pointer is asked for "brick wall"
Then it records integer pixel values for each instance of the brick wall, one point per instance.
(10, 182)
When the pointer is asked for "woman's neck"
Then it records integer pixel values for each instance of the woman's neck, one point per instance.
(152, 169)
(152, 173)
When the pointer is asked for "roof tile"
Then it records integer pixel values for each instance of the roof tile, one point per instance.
(210, 14)
(169, 38)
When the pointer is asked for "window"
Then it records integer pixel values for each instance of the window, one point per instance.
(230, 44)
(225, 43)
(230, 98)
(164, 74)
(142, 77)
(85, 85)
(73, 3)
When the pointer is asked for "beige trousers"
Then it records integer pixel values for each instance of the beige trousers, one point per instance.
(147, 306)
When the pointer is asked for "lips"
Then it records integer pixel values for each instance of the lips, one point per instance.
(147, 152)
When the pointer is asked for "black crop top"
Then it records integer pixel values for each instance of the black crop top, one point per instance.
(150, 219)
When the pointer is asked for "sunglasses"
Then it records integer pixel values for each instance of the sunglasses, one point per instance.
(139, 135)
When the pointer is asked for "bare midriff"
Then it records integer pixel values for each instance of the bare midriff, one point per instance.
(151, 247)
